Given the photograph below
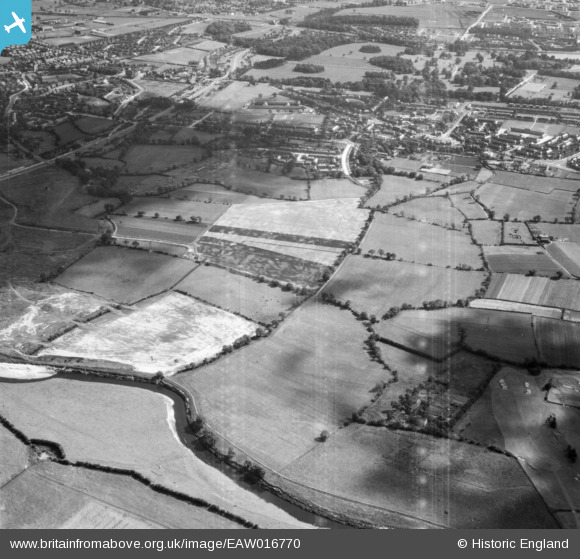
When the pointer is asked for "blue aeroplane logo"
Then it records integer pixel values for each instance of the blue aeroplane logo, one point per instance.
(15, 22)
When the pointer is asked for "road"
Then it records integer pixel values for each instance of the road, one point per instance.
(462, 111)
(477, 22)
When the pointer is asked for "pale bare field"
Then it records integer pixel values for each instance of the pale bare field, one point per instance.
(495, 305)
(326, 219)
(164, 334)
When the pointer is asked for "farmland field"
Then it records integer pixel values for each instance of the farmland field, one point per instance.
(453, 484)
(13, 460)
(338, 220)
(160, 230)
(92, 126)
(238, 294)
(486, 232)
(35, 314)
(274, 397)
(523, 204)
(374, 286)
(329, 189)
(261, 261)
(35, 254)
(520, 260)
(169, 208)
(560, 232)
(533, 183)
(562, 294)
(541, 451)
(567, 255)
(436, 210)
(129, 428)
(505, 335)
(517, 234)
(52, 496)
(257, 183)
(394, 189)
(468, 206)
(421, 242)
(163, 334)
(512, 306)
(67, 133)
(558, 342)
(162, 88)
(49, 197)
(213, 193)
(124, 275)
(146, 159)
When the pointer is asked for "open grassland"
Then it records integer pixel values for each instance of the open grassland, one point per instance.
(164, 334)
(67, 133)
(92, 126)
(339, 220)
(562, 294)
(33, 253)
(213, 193)
(436, 210)
(124, 275)
(468, 206)
(394, 189)
(13, 460)
(146, 159)
(418, 481)
(486, 232)
(161, 230)
(162, 88)
(517, 234)
(257, 261)
(436, 334)
(331, 189)
(35, 314)
(48, 197)
(238, 294)
(523, 204)
(273, 398)
(430, 16)
(98, 207)
(423, 243)
(558, 342)
(168, 208)
(54, 496)
(238, 94)
(520, 411)
(374, 286)
(520, 260)
(533, 183)
(257, 183)
(129, 428)
(560, 232)
(567, 255)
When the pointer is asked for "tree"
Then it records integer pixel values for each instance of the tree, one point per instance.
(135, 244)
(179, 218)
(571, 454)
(323, 437)
(506, 217)
(531, 272)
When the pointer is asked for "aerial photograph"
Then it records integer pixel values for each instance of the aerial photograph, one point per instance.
(290, 264)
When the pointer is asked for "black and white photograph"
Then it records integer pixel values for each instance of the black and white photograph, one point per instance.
(290, 265)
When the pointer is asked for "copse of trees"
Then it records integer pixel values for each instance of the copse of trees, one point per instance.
(396, 64)
(223, 30)
(370, 49)
(308, 68)
(268, 63)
